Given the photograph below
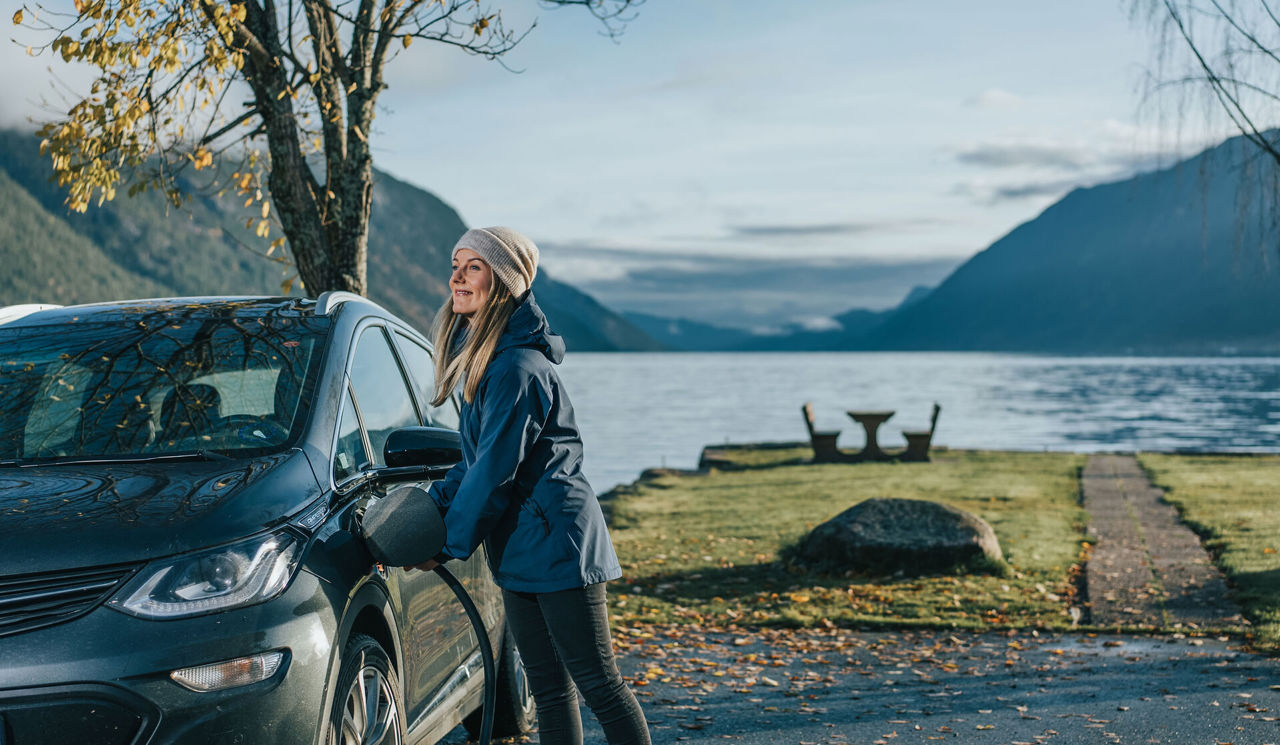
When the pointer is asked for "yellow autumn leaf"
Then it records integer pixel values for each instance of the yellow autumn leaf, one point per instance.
(17, 17)
(407, 41)
(799, 597)
(266, 207)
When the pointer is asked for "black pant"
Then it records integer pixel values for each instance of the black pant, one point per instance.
(563, 638)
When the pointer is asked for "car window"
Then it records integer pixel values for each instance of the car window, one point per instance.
(245, 392)
(164, 382)
(55, 412)
(349, 455)
(380, 390)
(422, 372)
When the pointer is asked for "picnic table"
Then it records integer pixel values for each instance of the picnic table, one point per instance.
(871, 421)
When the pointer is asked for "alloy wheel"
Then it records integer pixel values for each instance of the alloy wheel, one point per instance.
(524, 695)
(370, 715)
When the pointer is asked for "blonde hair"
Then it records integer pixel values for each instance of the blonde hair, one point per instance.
(483, 330)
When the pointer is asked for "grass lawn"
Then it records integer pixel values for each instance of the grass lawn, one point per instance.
(704, 548)
(1234, 503)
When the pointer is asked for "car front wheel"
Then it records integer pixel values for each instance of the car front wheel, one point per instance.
(367, 709)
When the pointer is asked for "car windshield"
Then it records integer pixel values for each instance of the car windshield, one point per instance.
(156, 383)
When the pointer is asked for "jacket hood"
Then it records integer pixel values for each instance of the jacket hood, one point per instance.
(528, 328)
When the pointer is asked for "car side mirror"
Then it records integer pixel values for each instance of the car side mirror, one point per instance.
(423, 447)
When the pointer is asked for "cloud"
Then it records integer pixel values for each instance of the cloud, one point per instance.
(1031, 189)
(784, 231)
(1017, 155)
(1039, 167)
(830, 229)
(996, 193)
(820, 323)
(993, 98)
(743, 292)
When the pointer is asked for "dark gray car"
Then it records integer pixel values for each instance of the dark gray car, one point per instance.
(180, 484)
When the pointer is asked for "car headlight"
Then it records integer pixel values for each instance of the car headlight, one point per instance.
(212, 581)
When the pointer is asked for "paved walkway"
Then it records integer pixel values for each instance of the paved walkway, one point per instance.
(1146, 567)
(844, 687)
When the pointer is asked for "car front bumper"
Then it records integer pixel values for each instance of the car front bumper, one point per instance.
(103, 678)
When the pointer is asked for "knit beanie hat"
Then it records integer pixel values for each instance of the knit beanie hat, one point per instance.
(512, 256)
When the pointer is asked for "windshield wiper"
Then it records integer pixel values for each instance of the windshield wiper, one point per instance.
(207, 455)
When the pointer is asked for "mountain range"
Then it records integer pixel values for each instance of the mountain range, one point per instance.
(1181, 260)
(140, 247)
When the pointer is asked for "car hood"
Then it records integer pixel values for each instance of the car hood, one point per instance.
(60, 517)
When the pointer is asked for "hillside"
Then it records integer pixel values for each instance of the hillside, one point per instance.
(687, 335)
(56, 277)
(138, 248)
(1178, 261)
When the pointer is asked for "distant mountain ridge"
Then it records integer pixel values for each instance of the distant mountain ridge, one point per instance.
(130, 247)
(851, 326)
(1184, 260)
(686, 335)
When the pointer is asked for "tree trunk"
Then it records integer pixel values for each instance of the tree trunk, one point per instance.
(327, 242)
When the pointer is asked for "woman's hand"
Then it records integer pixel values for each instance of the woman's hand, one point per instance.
(425, 566)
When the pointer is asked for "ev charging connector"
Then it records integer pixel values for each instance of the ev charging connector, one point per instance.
(404, 529)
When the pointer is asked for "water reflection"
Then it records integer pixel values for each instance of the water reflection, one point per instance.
(642, 410)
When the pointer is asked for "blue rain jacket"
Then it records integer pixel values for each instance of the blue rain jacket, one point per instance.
(520, 485)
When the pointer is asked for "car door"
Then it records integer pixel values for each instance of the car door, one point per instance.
(435, 632)
(475, 576)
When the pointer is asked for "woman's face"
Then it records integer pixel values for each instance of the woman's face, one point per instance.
(472, 282)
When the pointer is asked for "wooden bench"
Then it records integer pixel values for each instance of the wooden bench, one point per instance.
(918, 441)
(824, 443)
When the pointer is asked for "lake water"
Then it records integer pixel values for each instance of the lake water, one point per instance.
(638, 410)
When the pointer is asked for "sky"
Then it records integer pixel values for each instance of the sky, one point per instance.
(764, 164)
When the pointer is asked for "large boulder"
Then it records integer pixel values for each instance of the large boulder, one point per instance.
(887, 536)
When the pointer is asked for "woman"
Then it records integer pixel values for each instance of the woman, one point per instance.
(520, 487)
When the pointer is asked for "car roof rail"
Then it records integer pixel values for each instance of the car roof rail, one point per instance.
(14, 312)
(329, 301)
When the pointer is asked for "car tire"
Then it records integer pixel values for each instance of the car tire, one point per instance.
(366, 680)
(515, 713)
